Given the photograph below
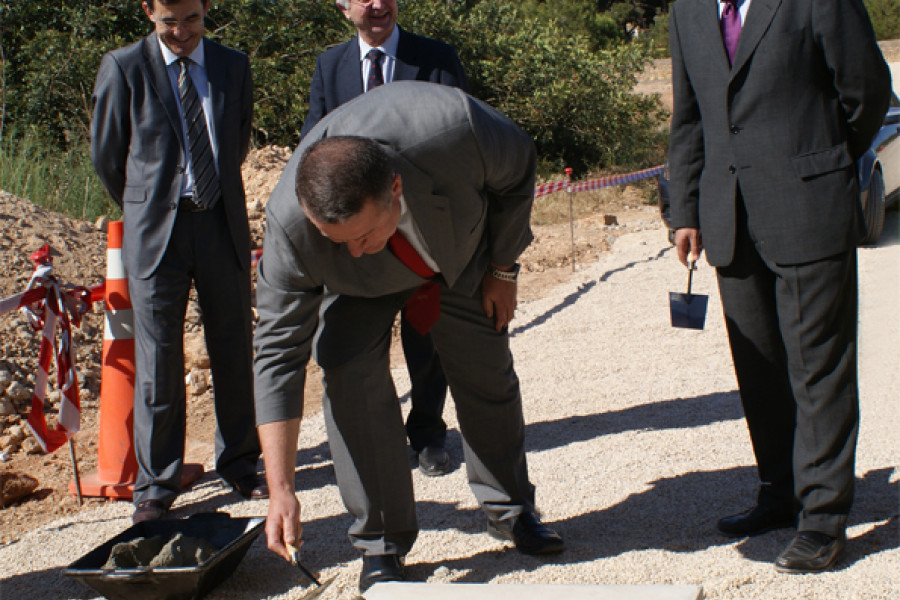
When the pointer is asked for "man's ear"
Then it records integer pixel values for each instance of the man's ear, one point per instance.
(147, 10)
(396, 187)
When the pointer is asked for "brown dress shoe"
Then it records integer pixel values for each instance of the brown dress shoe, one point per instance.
(252, 487)
(149, 510)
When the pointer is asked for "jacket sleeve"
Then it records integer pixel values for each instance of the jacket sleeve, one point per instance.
(111, 126)
(686, 152)
(287, 301)
(317, 104)
(509, 158)
(246, 110)
(861, 77)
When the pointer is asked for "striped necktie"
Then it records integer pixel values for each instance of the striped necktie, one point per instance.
(206, 182)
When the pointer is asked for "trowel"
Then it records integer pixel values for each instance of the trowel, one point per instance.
(320, 587)
(688, 310)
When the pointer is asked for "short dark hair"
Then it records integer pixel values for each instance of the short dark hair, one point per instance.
(338, 175)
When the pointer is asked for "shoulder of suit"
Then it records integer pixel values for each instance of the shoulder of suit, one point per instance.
(225, 51)
(420, 41)
(335, 51)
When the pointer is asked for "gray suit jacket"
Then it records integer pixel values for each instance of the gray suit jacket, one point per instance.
(468, 180)
(803, 100)
(137, 144)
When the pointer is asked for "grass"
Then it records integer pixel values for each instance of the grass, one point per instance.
(63, 182)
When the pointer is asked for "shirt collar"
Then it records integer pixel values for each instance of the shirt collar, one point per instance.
(169, 57)
(389, 47)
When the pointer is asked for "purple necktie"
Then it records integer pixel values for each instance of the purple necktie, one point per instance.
(376, 77)
(731, 27)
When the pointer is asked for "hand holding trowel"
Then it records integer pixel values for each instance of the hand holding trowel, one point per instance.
(688, 310)
(320, 587)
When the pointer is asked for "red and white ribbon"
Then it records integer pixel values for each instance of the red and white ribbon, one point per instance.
(45, 304)
(595, 184)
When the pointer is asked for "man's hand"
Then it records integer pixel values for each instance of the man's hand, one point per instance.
(283, 526)
(688, 241)
(499, 299)
(279, 445)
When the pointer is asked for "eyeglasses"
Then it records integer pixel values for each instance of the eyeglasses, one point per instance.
(192, 22)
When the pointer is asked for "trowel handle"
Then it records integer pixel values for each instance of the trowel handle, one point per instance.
(692, 266)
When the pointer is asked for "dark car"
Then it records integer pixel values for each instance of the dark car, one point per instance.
(879, 177)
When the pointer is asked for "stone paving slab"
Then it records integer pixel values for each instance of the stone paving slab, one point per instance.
(484, 591)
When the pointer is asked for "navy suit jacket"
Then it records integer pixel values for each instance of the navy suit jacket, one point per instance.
(338, 75)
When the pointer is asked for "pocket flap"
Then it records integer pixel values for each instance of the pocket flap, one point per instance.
(822, 161)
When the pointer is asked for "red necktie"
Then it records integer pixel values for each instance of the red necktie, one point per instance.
(731, 27)
(423, 308)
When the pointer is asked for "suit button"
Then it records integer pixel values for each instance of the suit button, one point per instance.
(735, 129)
(732, 169)
(173, 205)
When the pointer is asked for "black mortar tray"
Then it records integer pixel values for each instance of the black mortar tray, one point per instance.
(232, 537)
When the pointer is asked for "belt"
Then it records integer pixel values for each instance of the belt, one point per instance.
(187, 204)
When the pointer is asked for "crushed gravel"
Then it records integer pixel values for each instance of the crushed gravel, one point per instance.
(636, 444)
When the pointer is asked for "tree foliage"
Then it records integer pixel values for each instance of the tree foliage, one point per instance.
(563, 70)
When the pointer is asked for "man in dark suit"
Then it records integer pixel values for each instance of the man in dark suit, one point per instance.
(343, 73)
(456, 179)
(170, 130)
(773, 104)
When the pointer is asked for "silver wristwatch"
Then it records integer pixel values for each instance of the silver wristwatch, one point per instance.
(505, 275)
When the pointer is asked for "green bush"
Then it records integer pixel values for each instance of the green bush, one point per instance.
(562, 70)
(885, 15)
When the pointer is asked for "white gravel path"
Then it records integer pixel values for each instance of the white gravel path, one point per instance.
(636, 445)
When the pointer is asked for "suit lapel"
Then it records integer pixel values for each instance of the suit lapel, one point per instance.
(404, 69)
(349, 81)
(706, 22)
(159, 81)
(759, 17)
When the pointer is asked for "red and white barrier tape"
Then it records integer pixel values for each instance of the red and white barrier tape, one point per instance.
(596, 184)
(45, 303)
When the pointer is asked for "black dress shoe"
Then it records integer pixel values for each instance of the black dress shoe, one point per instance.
(149, 510)
(378, 568)
(528, 534)
(434, 461)
(756, 521)
(810, 552)
(252, 487)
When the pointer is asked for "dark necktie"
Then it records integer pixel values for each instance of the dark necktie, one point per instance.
(206, 182)
(376, 77)
(424, 307)
(731, 27)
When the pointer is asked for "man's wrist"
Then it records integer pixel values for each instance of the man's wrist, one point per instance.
(509, 273)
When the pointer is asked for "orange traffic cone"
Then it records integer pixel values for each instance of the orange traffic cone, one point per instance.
(116, 463)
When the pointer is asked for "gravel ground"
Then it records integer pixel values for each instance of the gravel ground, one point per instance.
(635, 441)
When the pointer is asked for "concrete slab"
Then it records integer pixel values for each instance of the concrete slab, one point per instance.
(486, 591)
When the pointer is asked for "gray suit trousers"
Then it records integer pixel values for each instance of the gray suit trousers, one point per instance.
(792, 330)
(199, 251)
(365, 425)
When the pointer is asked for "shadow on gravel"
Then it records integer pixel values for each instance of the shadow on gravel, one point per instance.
(584, 288)
(678, 413)
(676, 514)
